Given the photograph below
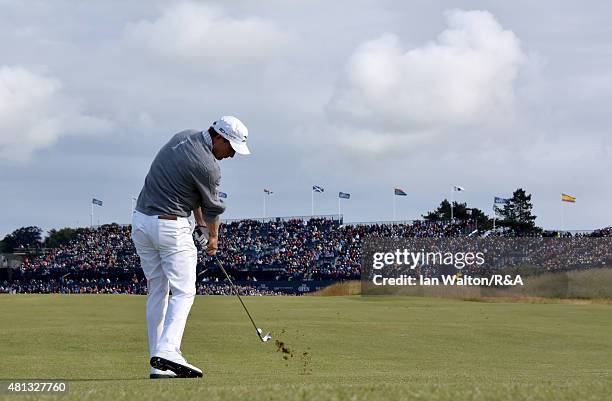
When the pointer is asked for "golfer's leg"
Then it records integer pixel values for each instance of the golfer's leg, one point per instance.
(179, 267)
(144, 233)
(157, 303)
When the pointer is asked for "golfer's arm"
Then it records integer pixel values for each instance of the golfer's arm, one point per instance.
(211, 223)
(199, 216)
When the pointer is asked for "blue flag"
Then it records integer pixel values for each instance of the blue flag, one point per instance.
(317, 188)
(502, 201)
(399, 192)
(222, 195)
(344, 195)
(96, 202)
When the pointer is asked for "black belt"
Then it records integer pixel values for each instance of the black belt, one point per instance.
(167, 217)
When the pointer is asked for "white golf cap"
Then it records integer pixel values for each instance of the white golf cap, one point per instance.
(232, 129)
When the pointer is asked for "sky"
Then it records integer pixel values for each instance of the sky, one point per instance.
(359, 97)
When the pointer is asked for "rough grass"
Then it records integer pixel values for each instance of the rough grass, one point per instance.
(358, 348)
(354, 288)
(541, 300)
(344, 288)
(580, 286)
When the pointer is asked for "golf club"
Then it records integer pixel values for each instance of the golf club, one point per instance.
(201, 234)
(265, 338)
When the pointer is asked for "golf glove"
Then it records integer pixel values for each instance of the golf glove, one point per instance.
(201, 236)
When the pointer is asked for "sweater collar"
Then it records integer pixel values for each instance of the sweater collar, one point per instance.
(207, 139)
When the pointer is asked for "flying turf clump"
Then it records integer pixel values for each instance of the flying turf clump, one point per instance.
(281, 347)
(306, 359)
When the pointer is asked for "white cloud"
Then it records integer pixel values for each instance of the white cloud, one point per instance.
(464, 77)
(201, 35)
(34, 113)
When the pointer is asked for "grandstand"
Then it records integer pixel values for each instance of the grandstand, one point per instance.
(280, 255)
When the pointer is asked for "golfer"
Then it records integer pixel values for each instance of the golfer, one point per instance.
(184, 177)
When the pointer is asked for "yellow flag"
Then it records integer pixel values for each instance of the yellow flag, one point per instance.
(568, 198)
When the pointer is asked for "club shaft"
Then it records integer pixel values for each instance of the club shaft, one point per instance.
(238, 295)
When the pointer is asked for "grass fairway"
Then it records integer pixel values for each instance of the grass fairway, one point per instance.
(359, 348)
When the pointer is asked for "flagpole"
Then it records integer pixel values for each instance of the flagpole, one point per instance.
(394, 196)
(338, 205)
(494, 215)
(91, 215)
(452, 201)
(264, 205)
(311, 202)
(562, 217)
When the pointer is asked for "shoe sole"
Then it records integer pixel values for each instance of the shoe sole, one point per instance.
(157, 376)
(180, 370)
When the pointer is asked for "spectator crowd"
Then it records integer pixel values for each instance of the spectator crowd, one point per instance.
(103, 259)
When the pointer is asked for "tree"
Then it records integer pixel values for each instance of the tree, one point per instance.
(483, 221)
(59, 237)
(460, 212)
(442, 212)
(516, 213)
(24, 237)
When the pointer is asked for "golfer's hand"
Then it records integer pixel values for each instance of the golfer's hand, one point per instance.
(201, 235)
(213, 243)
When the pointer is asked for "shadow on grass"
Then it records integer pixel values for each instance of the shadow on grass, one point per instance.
(55, 379)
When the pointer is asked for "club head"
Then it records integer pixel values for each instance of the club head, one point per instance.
(265, 338)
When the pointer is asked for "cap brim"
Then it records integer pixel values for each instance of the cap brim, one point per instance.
(240, 148)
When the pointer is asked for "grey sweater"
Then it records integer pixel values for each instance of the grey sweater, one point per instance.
(183, 176)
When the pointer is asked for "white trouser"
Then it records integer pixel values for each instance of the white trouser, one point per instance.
(168, 258)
